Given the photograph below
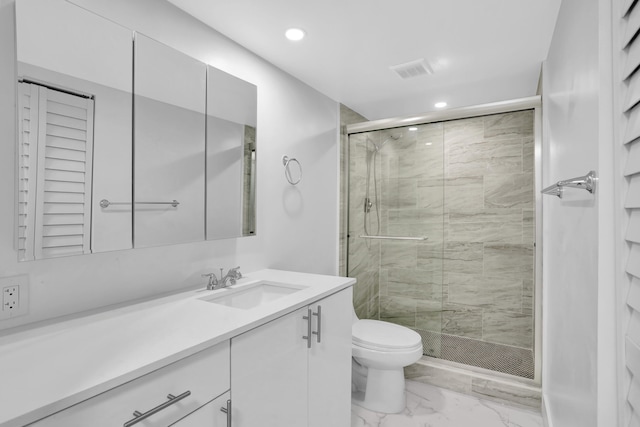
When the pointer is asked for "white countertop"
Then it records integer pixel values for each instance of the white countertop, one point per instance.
(46, 369)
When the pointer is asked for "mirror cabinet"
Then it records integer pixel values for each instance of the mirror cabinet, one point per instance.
(125, 142)
(231, 136)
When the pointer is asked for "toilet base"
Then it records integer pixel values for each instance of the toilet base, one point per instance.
(384, 391)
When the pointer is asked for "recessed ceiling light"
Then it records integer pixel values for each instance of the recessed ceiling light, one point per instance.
(441, 104)
(294, 34)
(413, 128)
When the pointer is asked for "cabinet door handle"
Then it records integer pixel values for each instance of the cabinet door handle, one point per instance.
(227, 410)
(308, 336)
(139, 416)
(318, 332)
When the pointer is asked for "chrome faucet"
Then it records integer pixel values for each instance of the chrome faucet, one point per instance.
(232, 275)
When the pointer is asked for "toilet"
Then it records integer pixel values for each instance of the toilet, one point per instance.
(380, 351)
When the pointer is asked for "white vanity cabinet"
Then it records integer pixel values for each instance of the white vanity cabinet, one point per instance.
(295, 370)
(194, 382)
(188, 360)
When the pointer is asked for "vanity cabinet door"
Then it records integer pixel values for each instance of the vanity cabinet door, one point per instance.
(280, 379)
(210, 415)
(330, 361)
(269, 374)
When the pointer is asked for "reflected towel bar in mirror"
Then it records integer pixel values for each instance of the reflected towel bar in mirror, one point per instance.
(587, 182)
(394, 237)
(104, 203)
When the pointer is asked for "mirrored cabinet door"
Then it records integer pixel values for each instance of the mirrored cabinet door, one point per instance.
(75, 121)
(231, 155)
(169, 154)
(123, 141)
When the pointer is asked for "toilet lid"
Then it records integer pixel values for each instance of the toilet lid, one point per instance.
(385, 336)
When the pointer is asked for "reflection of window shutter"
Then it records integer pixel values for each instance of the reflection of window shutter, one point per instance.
(628, 64)
(62, 200)
(28, 156)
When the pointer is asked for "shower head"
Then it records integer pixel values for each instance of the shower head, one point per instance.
(394, 136)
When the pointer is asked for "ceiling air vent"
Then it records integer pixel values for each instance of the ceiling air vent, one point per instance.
(412, 69)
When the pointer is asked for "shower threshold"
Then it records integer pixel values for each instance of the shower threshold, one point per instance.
(496, 357)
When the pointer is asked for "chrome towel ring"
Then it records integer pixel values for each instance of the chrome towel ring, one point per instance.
(286, 161)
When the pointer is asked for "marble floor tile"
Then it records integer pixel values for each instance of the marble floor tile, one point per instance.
(430, 406)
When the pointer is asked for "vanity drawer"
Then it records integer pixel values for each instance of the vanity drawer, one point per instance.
(193, 381)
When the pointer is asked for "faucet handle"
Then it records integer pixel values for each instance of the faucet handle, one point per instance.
(236, 273)
(213, 280)
(233, 274)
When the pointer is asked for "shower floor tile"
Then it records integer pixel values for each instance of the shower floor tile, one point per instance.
(430, 406)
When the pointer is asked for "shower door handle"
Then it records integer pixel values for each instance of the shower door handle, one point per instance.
(318, 331)
(308, 336)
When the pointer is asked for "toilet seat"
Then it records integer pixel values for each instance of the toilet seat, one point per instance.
(384, 336)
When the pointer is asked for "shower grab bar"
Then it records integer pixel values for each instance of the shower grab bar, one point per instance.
(587, 182)
(393, 237)
(104, 203)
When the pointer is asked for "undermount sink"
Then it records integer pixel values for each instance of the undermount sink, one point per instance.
(253, 295)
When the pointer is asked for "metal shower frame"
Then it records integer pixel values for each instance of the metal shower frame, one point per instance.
(529, 103)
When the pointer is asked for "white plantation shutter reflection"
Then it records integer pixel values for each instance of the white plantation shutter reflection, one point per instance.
(630, 134)
(27, 166)
(55, 172)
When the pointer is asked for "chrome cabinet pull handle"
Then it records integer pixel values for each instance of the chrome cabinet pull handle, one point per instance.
(318, 332)
(139, 416)
(308, 336)
(227, 410)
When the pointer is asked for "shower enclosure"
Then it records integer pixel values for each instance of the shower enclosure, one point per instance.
(442, 231)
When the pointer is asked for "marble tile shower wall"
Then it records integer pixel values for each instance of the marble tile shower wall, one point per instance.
(413, 204)
(467, 185)
(489, 228)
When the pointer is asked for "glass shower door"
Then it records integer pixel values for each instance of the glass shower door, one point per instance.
(396, 227)
(442, 236)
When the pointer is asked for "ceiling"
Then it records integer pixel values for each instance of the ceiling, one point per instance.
(479, 50)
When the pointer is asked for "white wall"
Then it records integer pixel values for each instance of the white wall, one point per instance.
(578, 298)
(297, 227)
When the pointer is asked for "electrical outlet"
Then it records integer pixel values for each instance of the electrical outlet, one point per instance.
(11, 298)
(15, 292)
